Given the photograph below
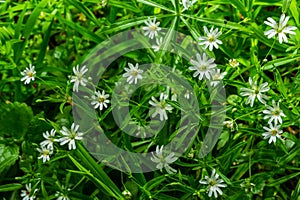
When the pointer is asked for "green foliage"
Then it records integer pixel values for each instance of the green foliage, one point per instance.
(15, 119)
(55, 36)
(9, 155)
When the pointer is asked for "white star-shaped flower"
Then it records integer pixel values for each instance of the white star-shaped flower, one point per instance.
(152, 28)
(214, 184)
(164, 161)
(211, 39)
(28, 74)
(100, 100)
(69, 136)
(274, 113)
(160, 106)
(78, 77)
(255, 92)
(133, 73)
(273, 132)
(281, 29)
(204, 66)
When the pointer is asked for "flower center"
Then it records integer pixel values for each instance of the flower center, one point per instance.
(203, 67)
(212, 182)
(134, 73)
(45, 152)
(256, 90)
(79, 76)
(29, 74)
(73, 135)
(216, 77)
(276, 112)
(279, 30)
(153, 28)
(274, 132)
(211, 39)
(101, 99)
(163, 105)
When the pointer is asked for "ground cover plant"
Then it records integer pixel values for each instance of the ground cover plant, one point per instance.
(142, 99)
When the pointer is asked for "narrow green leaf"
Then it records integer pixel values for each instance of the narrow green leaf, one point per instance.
(294, 8)
(33, 18)
(97, 170)
(85, 10)
(282, 179)
(44, 45)
(86, 172)
(285, 5)
(282, 89)
(10, 187)
(83, 31)
(279, 62)
(124, 5)
(155, 5)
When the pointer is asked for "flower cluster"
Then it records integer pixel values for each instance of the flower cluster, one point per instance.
(274, 113)
(68, 137)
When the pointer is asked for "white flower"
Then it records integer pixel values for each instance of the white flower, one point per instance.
(133, 73)
(211, 38)
(214, 184)
(70, 136)
(62, 195)
(203, 66)
(104, 3)
(230, 124)
(160, 106)
(255, 92)
(28, 74)
(164, 161)
(233, 63)
(158, 44)
(152, 28)
(187, 4)
(28, 194)
(280, 29)
(174, 96)
(187, 94)
(50, 138)
(45, 153)
(100, 100)
(217, 76)
(79, 79)
(272, 133)
(127, 194)
(274, 113)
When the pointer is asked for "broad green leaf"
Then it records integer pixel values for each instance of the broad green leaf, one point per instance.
(8, 156)
(15, 119)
